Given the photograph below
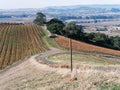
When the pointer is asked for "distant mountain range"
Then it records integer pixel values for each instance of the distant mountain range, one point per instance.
(63, 12)
(82, 6)
(67, 7)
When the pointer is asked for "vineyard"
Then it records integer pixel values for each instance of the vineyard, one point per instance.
(19, 41)
(81, 46)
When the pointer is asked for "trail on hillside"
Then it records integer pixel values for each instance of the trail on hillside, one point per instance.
(32, 75)
(42, 57)
(23, 73)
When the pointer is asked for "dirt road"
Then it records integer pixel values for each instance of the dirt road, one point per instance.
(42, 57)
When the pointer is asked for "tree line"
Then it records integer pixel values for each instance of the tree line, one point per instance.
(71, 30)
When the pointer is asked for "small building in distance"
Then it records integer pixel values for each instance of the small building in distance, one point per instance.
(53, 35)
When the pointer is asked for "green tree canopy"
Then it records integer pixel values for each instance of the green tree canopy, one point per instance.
(115, 42)
(72, 30)
(55, 26)
(55, 20)
(40, 19)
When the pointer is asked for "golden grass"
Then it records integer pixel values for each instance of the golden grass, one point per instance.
(81, 46)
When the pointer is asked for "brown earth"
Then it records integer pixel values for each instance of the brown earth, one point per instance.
(81, 46)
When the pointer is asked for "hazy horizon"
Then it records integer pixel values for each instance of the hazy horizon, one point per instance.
(17, 4)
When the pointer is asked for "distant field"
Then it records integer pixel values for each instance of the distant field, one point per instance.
(19, 41)
(81, 46)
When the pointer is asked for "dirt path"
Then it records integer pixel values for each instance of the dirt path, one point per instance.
(31, 75)
(43, 59)
(53, 51)
(30, 71)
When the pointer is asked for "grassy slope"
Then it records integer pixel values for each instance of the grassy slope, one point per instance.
(100, 80)
(81, 46)
(83, 58)
(49, 42)
(30, 75)
(88, 77)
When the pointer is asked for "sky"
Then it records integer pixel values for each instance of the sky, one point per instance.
(14, 4)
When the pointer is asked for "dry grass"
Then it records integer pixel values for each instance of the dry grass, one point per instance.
(81, 46)
(92, 74)
(31, 75)
(60, 66)
(83, 59)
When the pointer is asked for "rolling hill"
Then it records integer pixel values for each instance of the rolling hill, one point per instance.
(81, 46)
(18, 42)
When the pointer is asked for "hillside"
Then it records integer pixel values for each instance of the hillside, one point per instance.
(81, 46)
(19, 41)
(31, 74)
